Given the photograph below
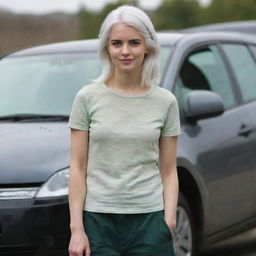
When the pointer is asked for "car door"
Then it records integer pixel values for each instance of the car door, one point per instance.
(220, 153)
(242, 59)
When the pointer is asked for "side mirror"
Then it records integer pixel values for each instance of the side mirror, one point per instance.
(203, 104)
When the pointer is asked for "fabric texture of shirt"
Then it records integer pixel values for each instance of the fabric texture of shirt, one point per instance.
(123, 150)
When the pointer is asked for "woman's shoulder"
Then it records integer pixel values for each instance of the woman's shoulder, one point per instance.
(165, 94)
(88, 90)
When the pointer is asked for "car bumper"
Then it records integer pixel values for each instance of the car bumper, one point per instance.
(34, 227)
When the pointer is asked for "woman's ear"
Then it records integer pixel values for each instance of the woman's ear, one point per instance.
(107, 48)
(146, 52)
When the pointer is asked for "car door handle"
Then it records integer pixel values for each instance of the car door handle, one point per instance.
(245, 130)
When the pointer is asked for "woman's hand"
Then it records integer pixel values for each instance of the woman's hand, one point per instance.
(171, 224)
(79, 244)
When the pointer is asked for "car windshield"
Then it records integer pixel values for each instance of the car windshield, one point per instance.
(45, 85)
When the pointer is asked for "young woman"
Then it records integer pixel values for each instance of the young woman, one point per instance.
(123, 187)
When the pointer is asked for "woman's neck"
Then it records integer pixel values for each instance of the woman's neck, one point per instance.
(125, 81)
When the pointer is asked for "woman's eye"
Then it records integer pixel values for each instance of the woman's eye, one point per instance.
(134, 43)
(116, 43)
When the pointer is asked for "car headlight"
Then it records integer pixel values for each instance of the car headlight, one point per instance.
(56, 185)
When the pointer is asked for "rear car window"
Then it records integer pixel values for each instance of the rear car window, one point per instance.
(244, 68)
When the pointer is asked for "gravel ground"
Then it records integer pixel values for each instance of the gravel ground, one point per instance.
(242, 245)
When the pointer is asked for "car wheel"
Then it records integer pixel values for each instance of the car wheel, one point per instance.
(184, 234)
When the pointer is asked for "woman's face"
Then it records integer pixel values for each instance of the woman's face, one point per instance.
(126, 47)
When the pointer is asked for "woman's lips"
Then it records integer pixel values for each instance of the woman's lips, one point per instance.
(126, 61)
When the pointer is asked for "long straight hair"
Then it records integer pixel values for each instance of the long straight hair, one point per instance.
(131, 16)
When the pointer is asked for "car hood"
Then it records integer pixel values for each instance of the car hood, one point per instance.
(32, 152)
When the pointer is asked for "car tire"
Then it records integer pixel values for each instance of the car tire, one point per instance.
(184, 236)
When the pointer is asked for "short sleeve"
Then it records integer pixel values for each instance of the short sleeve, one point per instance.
(79, 118)
(172, 122)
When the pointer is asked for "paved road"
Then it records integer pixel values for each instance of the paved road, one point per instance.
(242, 245)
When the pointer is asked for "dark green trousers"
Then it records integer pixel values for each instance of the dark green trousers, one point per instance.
(143, 234)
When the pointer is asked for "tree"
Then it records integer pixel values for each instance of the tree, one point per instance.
(90, 22)
(177, 14)
(231, 10)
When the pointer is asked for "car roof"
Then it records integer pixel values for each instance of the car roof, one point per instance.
(165, 38)
(236, 26)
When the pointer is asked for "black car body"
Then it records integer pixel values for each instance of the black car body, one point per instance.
(213, 76)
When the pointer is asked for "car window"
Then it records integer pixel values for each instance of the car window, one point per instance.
(244, 69)
(47, 84)
(44, 84)
(253, 50)
(205, 70)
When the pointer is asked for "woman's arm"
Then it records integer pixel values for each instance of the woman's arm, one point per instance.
(168, 171)
(79, 243)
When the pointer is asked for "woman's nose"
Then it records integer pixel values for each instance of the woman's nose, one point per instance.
(125, 49)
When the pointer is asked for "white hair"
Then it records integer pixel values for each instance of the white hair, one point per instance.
(131, 16)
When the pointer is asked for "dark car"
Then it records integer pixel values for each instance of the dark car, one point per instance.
(248, 27)
(213, 76)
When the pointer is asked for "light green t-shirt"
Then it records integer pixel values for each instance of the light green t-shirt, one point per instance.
(124, 130)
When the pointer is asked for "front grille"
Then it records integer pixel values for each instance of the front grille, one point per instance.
(20, 185)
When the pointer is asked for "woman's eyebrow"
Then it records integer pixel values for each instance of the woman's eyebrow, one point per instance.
(135, 39)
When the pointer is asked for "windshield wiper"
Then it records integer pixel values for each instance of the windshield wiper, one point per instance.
(22, 117)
